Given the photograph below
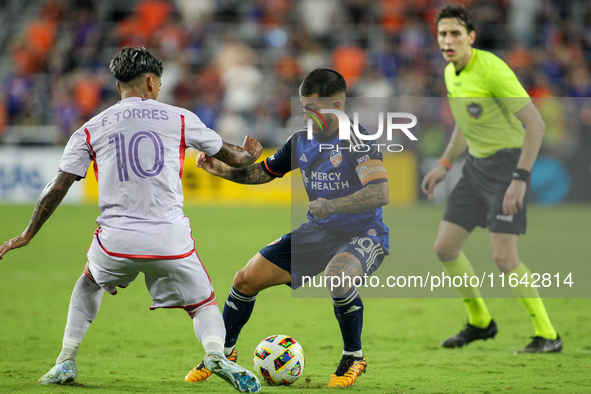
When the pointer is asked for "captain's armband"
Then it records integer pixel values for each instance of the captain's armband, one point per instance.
(371, 170)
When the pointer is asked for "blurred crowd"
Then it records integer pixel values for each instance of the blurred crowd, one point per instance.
(237, 63)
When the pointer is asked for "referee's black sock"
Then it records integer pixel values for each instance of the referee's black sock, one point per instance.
(348, 310)
(237, 311)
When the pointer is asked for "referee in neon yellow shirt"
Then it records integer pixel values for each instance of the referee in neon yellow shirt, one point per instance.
(498, 123)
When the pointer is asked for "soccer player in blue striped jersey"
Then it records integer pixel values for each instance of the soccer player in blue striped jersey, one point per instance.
(344, 234)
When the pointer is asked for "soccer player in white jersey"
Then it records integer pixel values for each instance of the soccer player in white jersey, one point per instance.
(138, 148)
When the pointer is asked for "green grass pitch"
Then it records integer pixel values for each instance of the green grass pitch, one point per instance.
(131, 349)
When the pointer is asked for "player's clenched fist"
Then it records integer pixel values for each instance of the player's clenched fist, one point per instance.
(211, 164)
(320, 208)
(252, 146)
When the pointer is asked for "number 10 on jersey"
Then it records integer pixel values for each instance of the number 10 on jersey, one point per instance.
(129, 156)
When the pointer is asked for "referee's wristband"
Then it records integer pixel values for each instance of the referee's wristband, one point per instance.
(445, 163)
(521, 175)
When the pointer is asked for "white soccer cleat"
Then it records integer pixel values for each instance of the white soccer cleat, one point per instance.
(63, 373)
(241, 379)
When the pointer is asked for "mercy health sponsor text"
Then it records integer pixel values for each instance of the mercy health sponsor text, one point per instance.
(325, 181)
(442, 280)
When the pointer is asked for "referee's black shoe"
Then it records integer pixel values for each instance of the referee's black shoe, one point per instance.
(543, 345)
(470, 334)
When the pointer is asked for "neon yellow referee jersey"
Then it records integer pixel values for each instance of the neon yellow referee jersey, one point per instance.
(484, 98)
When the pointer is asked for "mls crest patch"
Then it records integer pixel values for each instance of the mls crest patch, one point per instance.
(474, 110)
(336, 157)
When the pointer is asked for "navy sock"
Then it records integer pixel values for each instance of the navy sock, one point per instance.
(237, 311)
(349, 313)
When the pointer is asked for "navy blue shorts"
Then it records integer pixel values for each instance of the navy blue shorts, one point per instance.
(477, 199)
(307, 250)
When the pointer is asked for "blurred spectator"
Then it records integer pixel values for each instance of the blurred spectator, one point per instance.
(521, 20)
(579, 82)
(349, 59)
(18, 94)
(87, 91)
(312, 54)
(196, 11)
(240, 77)
(66, 112)
(40, 33)
(130, 32)
(232, 127)
(152, 14)
(375, 85)
(317, 16)
(392, 16)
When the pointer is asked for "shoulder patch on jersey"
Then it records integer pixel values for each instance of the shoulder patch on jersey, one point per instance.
(362, 173)
(274, 242)
(474, 110)
(336, 157)
(362, 159)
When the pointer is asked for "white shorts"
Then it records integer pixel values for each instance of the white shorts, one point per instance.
(177, 283)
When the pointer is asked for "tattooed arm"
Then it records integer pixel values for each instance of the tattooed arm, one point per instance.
(250, 175)
(370, 197)
(50, 198)
(240, 156)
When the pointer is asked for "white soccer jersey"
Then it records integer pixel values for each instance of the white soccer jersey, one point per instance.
(138, 147)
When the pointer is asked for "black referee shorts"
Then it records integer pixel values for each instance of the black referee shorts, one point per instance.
(477, 199)
(307, 250)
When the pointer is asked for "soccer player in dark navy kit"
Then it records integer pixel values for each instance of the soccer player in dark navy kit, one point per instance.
(344, 235)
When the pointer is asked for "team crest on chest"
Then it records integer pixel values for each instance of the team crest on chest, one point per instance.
(474, 110)
(336, 158)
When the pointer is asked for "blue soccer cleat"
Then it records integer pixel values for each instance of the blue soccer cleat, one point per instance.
(63, 373)
(241, 379)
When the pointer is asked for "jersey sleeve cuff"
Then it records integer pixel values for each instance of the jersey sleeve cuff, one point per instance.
(270, 172)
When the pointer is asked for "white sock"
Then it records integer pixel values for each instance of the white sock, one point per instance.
(213, 344)
(84, 306)
(209, 328)
(228, 350)
(69, 350)
(357, 353)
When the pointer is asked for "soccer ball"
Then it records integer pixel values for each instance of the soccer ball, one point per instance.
(279, 360)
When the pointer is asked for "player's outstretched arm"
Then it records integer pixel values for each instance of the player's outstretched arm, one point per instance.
(249, 175)
(240, 156)
(50, 198)
(370, 197)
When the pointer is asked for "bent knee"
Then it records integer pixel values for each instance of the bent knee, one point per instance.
(245, 282)
(446, 252)
(505, 261)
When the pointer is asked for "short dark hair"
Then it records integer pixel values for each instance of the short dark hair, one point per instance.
(458, 11)
(132, 62)
(325, 82)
